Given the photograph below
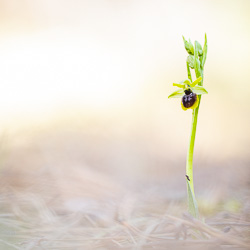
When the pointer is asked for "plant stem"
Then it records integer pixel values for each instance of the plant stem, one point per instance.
(189, 164)
(192, 204)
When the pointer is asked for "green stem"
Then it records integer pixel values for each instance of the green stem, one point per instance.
(189, 164)
(192, 204)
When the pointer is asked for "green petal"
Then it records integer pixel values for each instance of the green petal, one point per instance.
(196, 81)
(177, 94)
(199, 90)
(187, 81)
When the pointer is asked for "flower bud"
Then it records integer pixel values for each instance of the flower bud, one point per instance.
(190, 61)
(188, 46)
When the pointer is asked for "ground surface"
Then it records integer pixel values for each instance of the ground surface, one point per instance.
(53, 195)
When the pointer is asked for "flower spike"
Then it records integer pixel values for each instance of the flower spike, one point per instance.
(190, 93)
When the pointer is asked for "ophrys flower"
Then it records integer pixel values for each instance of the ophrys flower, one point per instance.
(189, 92)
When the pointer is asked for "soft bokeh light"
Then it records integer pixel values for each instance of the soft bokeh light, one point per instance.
(107, 57)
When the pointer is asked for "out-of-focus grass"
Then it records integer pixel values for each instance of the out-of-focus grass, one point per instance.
(31, 220)
(59, 191)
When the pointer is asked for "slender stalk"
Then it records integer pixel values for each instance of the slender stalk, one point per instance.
(189, 163)
(192, 204)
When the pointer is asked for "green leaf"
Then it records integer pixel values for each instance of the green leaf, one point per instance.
(204, 51)
(190, 61)
(196, 82)
(188, 46)
(200, 90)
(192, 205)
(177, 94)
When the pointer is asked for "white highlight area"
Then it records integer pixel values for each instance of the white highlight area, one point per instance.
(39, 72)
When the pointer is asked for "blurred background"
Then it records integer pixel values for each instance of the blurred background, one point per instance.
(84, 109)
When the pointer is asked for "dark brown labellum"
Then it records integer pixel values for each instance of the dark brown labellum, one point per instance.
(189, 98)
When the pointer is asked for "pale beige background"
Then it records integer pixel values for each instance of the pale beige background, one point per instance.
(105, 68)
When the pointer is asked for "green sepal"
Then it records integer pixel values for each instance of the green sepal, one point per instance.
(190, 61)
(177, 94)
(179, 85)
(199, 90)
(192, 204)
(199, 79)
(188, 46)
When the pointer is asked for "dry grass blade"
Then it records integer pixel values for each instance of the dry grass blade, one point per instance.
(196, 224)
